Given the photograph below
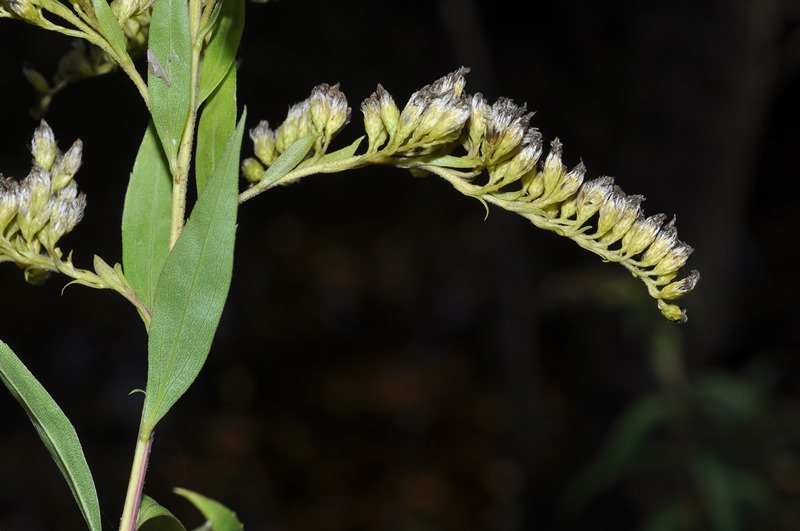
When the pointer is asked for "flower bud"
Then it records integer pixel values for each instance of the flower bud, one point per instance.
(663, 242)
(66, 166)
(373, 124)
(674, 259)
(253, 170)
(680, 288)
(26, 10)
(641, 235)
(506, 126)
(264, 143)
(631, 212)
(328, 111)
(43, 146)
(476, 125)
(9, 201)
(297, 125)
(34, 203)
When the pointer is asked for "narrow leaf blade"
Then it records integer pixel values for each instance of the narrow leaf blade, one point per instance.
(169, 72)
(192, 289)
(216, 126)
(289, 159)
(110, 27)
(55, 430)
(220, 517)
(220, 55)
(146, 217)
(154, 517)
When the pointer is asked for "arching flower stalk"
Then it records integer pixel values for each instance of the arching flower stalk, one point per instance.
(441, 119)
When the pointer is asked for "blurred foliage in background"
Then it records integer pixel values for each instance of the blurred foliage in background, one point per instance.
(388, 360)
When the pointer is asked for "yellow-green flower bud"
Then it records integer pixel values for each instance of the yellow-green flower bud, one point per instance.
(506, 126)
(43, 146)
(253, 170)
(673, 260)
(476, 125)
(610, 211)
(34, 203)
(680, 288)
(373, 124)
(434, 114)
(9, 201)
(666, 238)
(592, 195)
(442, 121)
(66, 166)
(390, 114)
(631, 212)
(297, 125)
(328, 110)
(264, 142)
(26, 10)
(672, 311)
(36, 79)
(523, 163)
(641, 235)
(553, 169)
(409, 118)
(66, 211)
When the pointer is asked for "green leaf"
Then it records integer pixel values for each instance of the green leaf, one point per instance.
(110, 27)
(146, 218)
(344, 153)
(154, 517)
(288, 160)
(220, 55)
(449, 161)
(220, 517)
(169, 72)
(192, 289)
(216, 126)
(55, 430)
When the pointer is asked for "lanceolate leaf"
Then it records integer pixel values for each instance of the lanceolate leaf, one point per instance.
(146, 218)
(289, 159)
(55, 430)
(169, 72)
(154, 517)
(220, 55)
(220, 517)
(216, 126)
(192, 289)
(109, 26)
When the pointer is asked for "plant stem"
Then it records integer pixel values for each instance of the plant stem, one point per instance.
(133, 498)
(180, 180)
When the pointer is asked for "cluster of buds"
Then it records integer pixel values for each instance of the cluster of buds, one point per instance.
(323, 115)
(37, 211)
(433, 117)
(499, 142)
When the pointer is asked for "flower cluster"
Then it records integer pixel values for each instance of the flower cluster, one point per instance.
(500, 144)
(37, 211)
(323, 114)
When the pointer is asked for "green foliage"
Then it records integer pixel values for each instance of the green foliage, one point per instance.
(220, 56)
(216, 126)
(154, 517)
(169, 79)
(110, 27)
(192, 288)
(146, 217)
(55, 430)
(220, 517)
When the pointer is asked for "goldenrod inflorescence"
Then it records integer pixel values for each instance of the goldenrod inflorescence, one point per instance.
(497, 140)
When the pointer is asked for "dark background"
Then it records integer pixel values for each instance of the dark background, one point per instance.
(388, 360)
